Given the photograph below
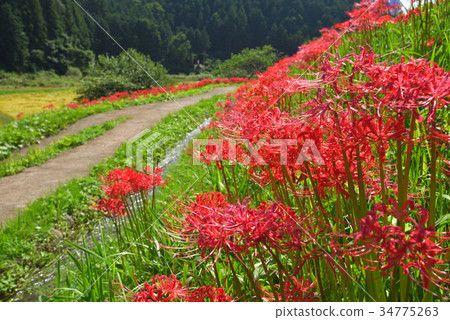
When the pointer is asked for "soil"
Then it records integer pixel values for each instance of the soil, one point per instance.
(17, 191)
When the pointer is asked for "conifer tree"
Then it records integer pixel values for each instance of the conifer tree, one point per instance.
(53, 18)
(14, 53)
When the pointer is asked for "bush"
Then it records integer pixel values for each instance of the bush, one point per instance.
(247, 63)
(121, 73)
(74, 72)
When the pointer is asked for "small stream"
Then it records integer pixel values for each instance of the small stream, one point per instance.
(43, 281)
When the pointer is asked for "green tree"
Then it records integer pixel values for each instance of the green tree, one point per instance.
(126, 72)
(83, 36)
(14, 53)
(179, 55)
(35, 26)
(52, 15)
(248, 62)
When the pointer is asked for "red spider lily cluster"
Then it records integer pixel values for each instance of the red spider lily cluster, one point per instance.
(227, 233)
(118, 96)
(169, 289)
(365, 118)
(211, 224)
(121, 183)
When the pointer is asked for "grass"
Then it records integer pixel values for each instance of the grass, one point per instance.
(38, 79)
(30, 101)
(37, 156)
(191, 78)
(28, 243)
(4, 118)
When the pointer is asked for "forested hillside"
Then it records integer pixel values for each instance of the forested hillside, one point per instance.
(55, 34)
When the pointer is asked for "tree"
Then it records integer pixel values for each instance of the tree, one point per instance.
(55, 26)
(213, 28)
(126, 72)
(248, 62)
(14, 53)
(179, 55)
(35, 26)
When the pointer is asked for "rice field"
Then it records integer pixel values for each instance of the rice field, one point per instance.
(29, 101)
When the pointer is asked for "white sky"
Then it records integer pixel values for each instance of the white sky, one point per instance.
(406, 3)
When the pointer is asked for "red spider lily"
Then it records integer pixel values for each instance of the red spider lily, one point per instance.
(72, 105)
(430, 42)
(120, 183)
(162, 289)
(418, 249)
(118, 96)
(20, 115)
(217, 151)
(364, 131)
(211, 225)
(298, 290)
(169, 289)
(128, 180)
(114, 207)
(206, 201)
(370, 14)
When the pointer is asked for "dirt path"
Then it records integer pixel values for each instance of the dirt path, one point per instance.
(18, 190)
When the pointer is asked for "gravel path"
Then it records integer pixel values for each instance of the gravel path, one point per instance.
(18, 190)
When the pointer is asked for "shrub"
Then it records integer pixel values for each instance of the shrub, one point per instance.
(247, 63)
(121, 73)
(74, 72)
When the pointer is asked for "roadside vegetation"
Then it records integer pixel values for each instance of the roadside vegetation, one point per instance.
(127, 72)
(4, 118)
(39, 79)
(36, 156)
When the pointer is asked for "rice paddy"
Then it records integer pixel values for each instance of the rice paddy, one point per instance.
(15, 102)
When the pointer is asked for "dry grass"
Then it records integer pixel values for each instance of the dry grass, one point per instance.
(14, 103)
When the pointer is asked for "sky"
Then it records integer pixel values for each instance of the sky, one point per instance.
(406, 3)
